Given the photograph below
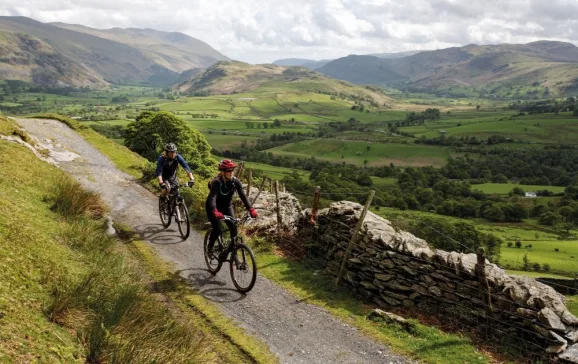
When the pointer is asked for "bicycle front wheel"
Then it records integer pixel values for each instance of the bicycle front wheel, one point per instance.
(243, 268)
(164, 211)
(183, 220)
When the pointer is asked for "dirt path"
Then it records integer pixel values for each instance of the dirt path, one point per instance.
(296, 332)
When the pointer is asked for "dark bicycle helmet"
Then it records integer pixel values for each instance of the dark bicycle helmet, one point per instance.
(170, 147)
(226, 164)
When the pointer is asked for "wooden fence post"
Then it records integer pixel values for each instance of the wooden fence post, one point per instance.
(279, 219)
(481, 273)
(249, 180)
(240, 170)
(315, 207)
(260, 189)
(353, 240)
(271, 189)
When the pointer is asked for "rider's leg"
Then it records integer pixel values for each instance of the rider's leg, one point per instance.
(216, 229)
(232, 226)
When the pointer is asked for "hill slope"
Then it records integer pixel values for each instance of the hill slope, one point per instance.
(107, 60)
(236, 77)
(26, 58)
(175, 51)
(546, 64)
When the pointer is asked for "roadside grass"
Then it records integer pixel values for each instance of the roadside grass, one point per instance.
(426, 343)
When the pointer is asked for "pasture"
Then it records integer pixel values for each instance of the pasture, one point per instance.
(364, 153)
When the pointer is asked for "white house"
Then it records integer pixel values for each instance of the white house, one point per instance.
(531, 194)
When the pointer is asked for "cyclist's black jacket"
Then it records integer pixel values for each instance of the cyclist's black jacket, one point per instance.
(221, 194)
(168, 167)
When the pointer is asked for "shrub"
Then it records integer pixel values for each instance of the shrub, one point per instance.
(518, 244)
(546, 267)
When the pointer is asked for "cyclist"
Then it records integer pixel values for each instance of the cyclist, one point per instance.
(167, 166)
(220, 200)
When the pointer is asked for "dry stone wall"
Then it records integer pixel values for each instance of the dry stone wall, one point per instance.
(395, 268)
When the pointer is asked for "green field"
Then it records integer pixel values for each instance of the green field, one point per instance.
(505, 188)
(275, 173)
(360, 153)
(539, 128)
(544, 242)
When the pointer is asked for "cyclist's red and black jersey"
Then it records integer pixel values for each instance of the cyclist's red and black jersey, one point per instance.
(221, 194)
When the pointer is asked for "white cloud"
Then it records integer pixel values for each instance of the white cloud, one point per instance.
(262, 31)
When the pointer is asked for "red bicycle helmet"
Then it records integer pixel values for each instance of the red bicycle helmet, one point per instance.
(226, 164)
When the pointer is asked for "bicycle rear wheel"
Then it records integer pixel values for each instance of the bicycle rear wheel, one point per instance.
(164, 211)
(213, 262)
(243, 267)
(182, 219)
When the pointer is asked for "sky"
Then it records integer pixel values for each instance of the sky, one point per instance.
(265, 30)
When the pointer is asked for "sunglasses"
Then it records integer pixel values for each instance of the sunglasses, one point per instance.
(228, 170)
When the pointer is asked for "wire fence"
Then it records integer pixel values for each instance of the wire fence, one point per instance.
(485, 312)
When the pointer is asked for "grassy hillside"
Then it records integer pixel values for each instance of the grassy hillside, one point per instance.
(239, 77)
(118, 56)
(30, 59)
(173, 50)
(490, 69)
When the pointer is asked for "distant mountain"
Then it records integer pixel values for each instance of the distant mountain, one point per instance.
(309, 63)
(231, 77)
(175, 51)
(545, 64)
(80, 58)
(27, 58)
(395, 55)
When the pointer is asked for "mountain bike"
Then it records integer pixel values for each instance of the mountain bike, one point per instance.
(173, 204)
(243, 267)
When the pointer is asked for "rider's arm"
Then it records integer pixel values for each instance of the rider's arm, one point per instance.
(242, 196)
(213, 193)
(159, 170)
(184, 164)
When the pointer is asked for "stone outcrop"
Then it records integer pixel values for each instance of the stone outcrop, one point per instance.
(265, 204)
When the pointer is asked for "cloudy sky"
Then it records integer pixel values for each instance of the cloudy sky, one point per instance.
(265, 30)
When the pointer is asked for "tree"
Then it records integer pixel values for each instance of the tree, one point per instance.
(494, 213)
(518, 244)
(265, 125)
(478, 107)
(148, 134)
(526, 262)
(277, 123)
(517, 191)
(549, 218)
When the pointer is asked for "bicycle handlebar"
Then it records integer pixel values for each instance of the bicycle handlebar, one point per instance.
(235, 220)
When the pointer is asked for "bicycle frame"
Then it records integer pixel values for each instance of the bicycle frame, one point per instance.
(232, 244)
(174, 198)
